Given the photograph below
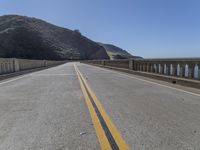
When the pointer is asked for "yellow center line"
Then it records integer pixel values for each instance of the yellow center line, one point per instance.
(98, 127)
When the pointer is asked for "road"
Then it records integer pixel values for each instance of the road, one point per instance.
(81, 107)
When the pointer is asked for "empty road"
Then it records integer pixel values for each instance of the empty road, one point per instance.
(81, 107)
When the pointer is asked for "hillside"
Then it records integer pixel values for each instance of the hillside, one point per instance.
(115, 52)
(31, 38)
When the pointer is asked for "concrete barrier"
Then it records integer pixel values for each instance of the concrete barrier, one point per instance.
(11, 65)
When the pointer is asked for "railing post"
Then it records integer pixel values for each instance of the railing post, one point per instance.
(16, 65)
(147, 67)
(0, 67)
(140, 67)
(135, 66)
(131, 64)
(161, 69)
(182, 71)
(190, 71)
(157, 68)
(199, 71)
(103, 62)
(167, 69)
(174, 66)
(45, 63)
(151, 68)
(177, 70)
(144, 67)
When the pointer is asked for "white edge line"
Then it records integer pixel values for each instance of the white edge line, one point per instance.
(25, 75)
(7, 81)
(50, 74)
(123, 74)
(180, 90)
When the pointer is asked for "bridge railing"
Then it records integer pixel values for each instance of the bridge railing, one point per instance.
(183, 68)
(10, 65)
(188, 68)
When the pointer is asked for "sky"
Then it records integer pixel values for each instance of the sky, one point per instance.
(147, 28)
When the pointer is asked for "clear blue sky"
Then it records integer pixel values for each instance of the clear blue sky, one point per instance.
(149, 28)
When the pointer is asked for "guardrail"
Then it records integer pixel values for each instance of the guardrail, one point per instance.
(10, 65)
(188, 68)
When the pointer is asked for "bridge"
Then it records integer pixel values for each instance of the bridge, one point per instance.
(100, 104)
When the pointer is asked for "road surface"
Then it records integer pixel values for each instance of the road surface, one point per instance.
(81, 107)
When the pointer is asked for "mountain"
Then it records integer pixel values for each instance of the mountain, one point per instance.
(31, 38)
(115, 52)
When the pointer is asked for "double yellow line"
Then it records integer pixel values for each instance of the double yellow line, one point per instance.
(108, 135)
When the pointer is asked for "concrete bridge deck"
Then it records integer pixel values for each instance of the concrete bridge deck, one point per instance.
(78, 106)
